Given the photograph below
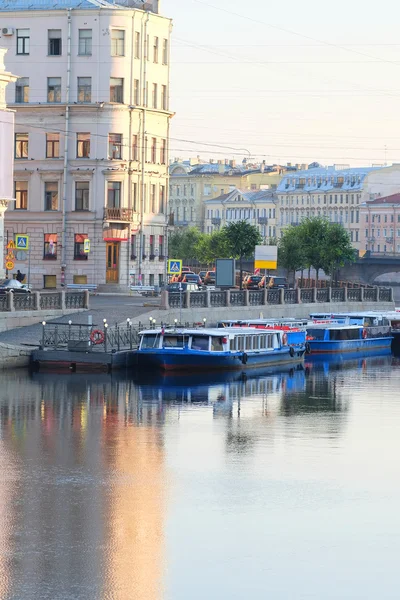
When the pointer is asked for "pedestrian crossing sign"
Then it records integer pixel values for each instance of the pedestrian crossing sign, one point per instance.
(21, 242)
(174, 267)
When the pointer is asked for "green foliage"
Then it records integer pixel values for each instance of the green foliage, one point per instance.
(211, 246)
(291, 254)
(183, 242)
(337, 249)
(241, 239)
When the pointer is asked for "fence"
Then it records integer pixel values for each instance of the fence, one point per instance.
(90, 338)
(233, 298)
(14, 301)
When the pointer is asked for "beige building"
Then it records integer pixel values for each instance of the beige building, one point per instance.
(258, 208)
(380, 225)
(91, 142)
(193, 183)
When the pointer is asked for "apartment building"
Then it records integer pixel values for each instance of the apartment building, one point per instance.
(331, 192)
(193, 183)
(91, 137)
(258, 208)
(380, 224)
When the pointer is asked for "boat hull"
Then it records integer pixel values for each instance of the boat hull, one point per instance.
(175, 360)
(341, 346)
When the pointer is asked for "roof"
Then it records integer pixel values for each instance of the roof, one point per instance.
(215, 168)
(324, 179)
(392, 199)
(252, 197)
(16, 5)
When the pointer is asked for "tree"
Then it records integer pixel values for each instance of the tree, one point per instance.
(211, 246)
(337, 249)
(241, 240)
(291, 254)
(182, 243)
(313, 232)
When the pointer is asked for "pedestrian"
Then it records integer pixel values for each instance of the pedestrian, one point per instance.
(20, 277)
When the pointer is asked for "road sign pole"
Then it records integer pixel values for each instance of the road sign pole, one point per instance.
(29, 265)
(7, 248)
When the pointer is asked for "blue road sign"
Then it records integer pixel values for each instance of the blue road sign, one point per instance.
(174, 267)
(21, 242)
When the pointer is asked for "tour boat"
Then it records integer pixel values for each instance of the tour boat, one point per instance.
(295, 329)
(209, 349)
(338, 338)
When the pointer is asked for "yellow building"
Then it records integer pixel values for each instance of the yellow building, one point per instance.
(193, 184)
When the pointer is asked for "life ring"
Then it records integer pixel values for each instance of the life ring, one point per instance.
(308, 348)
(291, 351)
(244, 358)
(284, 339)
(97, 337)
(364, 334)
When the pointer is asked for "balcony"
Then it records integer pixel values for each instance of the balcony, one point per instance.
(216, 221)
(118, 215)
(263, 220)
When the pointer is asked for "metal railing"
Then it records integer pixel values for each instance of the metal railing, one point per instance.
(89, 338)
(17, 301)
(118, 214)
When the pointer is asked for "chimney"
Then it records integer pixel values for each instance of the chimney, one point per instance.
(211, 161)
(232, 163)
(226, 162)
(262, 167)
(289, 164)
(221, 167)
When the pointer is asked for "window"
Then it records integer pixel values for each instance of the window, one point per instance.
(146, 94)
(84, 89)
(135, 148)
(85, 42)
(52, 145)
(115, 145)
(113, 194)
(83, 145)
(143, 246)
(21, 145)
(153, 150)
(135, 197)
(54, 46)
(164, 99)
(160, 246)
(51, 195)
(23, 38)
(153, 198)
(137, 44)
(116, 89)
(54, 89)
(133, 247)
(385, 218)
(22, 90)
(151, 248)
(356, 235)
(81, 195)
(117, 42)
(165, 52)
(178, 190)
(155, 50)
(163, 152)
(50, 246)
(161, 205)
(154, 96)
(136, 92)
(21, 195)
(79, 246)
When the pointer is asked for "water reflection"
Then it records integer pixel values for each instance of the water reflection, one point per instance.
(89, 464)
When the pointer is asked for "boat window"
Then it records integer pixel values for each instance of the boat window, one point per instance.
(269, 341)
(256, 342)
(173, 341)
(262, 341)
(240, 340)
(200, 342)
(150, 341)
(216, 344)
(315, 334)
(232, 345)
(344, 334)
(248, 342)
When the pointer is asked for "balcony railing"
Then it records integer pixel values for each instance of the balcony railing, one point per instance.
(123, 215)
(262, 220)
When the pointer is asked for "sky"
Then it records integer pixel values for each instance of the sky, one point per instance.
(286, 82)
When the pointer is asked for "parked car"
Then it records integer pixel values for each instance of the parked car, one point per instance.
(202, 275)
(192, 278)
(12, 285)
(209, 278)
(273, 282)
(182, 287)
(183, 274)
(251, 282)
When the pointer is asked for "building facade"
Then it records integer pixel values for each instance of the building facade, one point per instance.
(380, 225)
(91, 141)
(193, 184)
(6, 157)
(332, 192)
(258, 208)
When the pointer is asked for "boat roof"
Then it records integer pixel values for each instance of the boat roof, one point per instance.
(351, 315)
(333, 326)
(291, 320)
(220, 332)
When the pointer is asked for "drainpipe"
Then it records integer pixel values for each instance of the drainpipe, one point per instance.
(64, 195)
(145, 101)
(167, 179)
(131, 108)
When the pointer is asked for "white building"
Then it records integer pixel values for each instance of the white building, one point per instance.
(91, 142)
(6, 157)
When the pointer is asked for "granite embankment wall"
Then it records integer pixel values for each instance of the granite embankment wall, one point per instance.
(12, 357)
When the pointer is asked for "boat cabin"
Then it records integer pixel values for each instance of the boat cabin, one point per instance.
(333, 332)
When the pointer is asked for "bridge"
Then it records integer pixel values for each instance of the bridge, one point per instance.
(367, 268)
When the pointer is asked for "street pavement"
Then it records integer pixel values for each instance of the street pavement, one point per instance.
(115, 309)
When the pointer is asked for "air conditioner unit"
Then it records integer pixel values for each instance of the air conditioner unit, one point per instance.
(7, 31)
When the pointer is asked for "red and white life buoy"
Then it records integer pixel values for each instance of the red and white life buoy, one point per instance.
(97, 337)
(364, 334)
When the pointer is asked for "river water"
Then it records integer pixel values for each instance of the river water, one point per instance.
(281, 486)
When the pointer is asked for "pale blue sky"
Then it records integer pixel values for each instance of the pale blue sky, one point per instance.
(328, 91)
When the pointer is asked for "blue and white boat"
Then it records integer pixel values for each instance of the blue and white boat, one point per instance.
(295, 329)
(213, 349)
(336, 337)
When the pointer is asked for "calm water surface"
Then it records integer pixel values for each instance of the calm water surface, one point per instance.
(280, 486)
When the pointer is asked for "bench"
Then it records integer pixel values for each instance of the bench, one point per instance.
(91, 287)
(146, 290)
